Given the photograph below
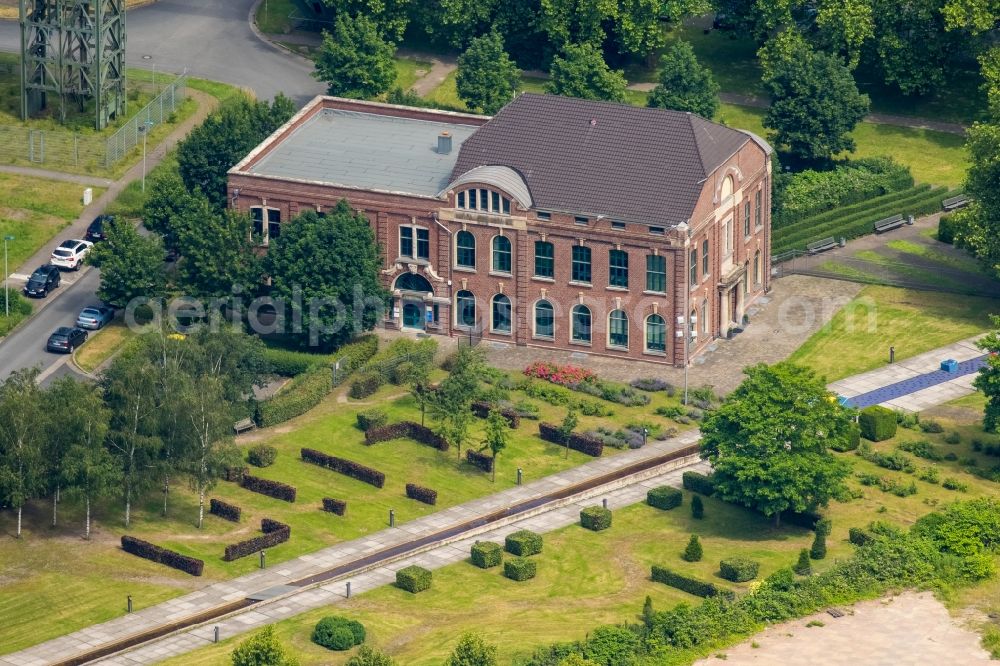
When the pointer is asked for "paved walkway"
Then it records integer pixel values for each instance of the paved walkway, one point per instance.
(916, 383)
(293, 601)
(87, 181)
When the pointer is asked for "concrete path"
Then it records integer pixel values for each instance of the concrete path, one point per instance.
(441, 67)
(292, 601)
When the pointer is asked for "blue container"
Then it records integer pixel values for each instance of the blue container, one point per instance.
(950, 365)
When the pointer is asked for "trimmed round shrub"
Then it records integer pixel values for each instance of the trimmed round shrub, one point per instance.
(523, 543)
(413, 579)
(877, 423)
(372, 418)
(486, 554)
(595, 518)
(338, 633)
(519, 568)
(664, 497)
(261, 455)
(739, 569)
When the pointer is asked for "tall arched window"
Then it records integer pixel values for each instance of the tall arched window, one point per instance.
(501, 254)
(656, 333)
(465, 309)
(465, 250)
(580, 324)
(544, 320)
(500, 321)
(756, 267)
(727, 190)
(618, 329)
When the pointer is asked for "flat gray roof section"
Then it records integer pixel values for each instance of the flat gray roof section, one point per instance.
(367, 151)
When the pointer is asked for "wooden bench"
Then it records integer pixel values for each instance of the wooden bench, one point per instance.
(890, 223)
(243, 426)
(821, 245)
(953, 203)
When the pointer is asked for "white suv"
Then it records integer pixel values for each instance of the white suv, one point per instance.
(70, 254)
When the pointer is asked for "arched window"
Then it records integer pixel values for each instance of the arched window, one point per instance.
(580, 324)
(544, 320)
(618, 329)
(727, 190)
(501, 254)
(500, 321)
(693, 325)
(756, 267)
(413, 282)
(465, 309)
(465, 249)
(656, 333)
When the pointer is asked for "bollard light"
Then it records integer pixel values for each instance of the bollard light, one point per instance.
(392, 518)
(263, 560)
(130, 603)
(215, 634)
(604, 502)
(645, 434)
(520, 474)
(348, 589)
(892, 354)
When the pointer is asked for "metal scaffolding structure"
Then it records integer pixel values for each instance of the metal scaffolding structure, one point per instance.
(73, 52)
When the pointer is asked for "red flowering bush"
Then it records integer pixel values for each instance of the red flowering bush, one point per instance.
(565, 375)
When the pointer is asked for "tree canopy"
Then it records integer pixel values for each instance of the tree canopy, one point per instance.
(978, 225)
(355, 60)
(131, 264)
(988, 379)
(487, 78)
(684, 85)
(581, 72)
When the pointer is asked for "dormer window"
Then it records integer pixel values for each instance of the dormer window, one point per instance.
(482, 199)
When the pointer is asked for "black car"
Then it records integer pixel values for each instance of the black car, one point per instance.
(65, 339)
(95, 232)
(42, 281)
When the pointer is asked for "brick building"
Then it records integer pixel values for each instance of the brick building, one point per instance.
(558, 223)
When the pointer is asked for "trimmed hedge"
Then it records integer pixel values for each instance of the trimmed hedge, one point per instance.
(480, 460)
(523, 543)
(336, 506)
(275, 489)
(235, 474)
(699, 588)
(595, 518)
(520, 569)
(859, 536)
(946, 229)
(366, 385)
(338, 633)
(664, 497)
(274, 533)
(372, 418)
(345, 467)
(486, 554)
(421, 494)
(224, 510)
(738, 569)
(413, 579)
(289, 363)
(262, 455)
(403, 429)
(482, 410)
(698, 483)
(877, 423)
(583, 443)
(160, 555)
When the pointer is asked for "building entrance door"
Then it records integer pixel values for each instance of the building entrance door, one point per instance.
(413, 316)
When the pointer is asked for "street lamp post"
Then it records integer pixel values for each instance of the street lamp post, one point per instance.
(144, 130)
(6, 277)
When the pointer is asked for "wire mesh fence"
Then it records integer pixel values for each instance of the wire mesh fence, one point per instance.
(154, 113)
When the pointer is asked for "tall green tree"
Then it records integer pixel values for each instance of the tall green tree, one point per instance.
(390, 17)
(22, 427)
(327, 270)
(911, 45)
(451, 402)
(988, 379)
(815, 103)
(369, 656)
(487, 78)
(355, 61)
(845, 27)
(90, 471)
(166, 197)
(497, 435)
(472, 650)
(262, 649)
(684, 84)
(131, 265)
(769, 441)
(576, 22)
(989, 64)
(581, 72)
(978, 225)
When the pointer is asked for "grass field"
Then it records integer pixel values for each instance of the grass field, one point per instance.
(858, 337)
(102, 344)
(408, 70)
(272, 16)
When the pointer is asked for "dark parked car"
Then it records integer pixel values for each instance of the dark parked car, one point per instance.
(65, 339)
(95, 232)
(42, 281)
(95, 317)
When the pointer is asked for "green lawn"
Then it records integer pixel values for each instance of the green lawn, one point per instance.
(445, 96)
(408, 70)
(102, 344)
(858, 337)
(272, 16)
(943, 254)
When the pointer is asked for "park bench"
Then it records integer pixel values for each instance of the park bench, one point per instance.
(243, 426)
(953, 203)
(821, 245)
(890, 223)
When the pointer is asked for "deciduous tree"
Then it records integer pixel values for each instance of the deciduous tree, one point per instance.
(369, 656)
(497, 435)
(978, 225)
(22, 428)
(487, 78)
(90, 471)
(131, 265)
(581, 72)
(355, 61)
(684, 85)
(262, 649)
(988, 379)
(472, 650)
(390, 17)
(451, 402)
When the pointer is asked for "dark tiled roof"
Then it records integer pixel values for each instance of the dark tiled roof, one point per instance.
(632, 163)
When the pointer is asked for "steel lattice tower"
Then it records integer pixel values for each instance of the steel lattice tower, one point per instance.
(73, 51)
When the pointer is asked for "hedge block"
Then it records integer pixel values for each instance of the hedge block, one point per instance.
(738, 569)
(519, 568)
(336, 506)
(275, 489)
(413, 579)
(154, 553)
(699, 483)
(486, 554)
(421, 494)
(664, 497)
(372, 418)
(224, 510)
(699, 588)
(595, 518)
(523, 543)
(877, 423)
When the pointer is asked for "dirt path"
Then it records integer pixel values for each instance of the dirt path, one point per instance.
(441, 67)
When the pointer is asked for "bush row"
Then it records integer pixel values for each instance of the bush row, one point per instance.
(480, 460)
(698, 483)
(345, 467)
(154, 553)
(224, 510)
(699, 588)
(274, 533)
(336, 506)
(275, 489)
(595, 518)
(486, 554)
(584, 443)
(483, 409)
(421, 494)
(289, 363)
(413, 579)
(664, 497)
(520, 568)
(523, 543)
(409, 429)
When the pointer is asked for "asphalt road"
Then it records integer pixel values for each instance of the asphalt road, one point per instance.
(212, 39)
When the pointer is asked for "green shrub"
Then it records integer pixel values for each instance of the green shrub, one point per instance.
(519, 568)
(372, 418)
(953, 438)
(289, 363)
(664, 497)
(366, 385)
(803, 567)
(951, 483)
(338, 633)
(687, 584)
(738, 569)
(296, 398)
(818, 549)
(859, 536)
(698, 483)
(595, 518)
(693, 552)
(852, 441)
(824, 526)
(523, 543)
(611, 645)
(413, 579)
(922, 449)
(931, 426)
(929, 474)
(946, 228)
(877, 423)
(261, 455)
(697, 507)
(486, 554)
